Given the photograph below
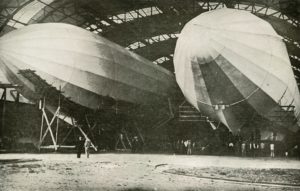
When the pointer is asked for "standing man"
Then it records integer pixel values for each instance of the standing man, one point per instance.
(79, 146)
(185, 146)
(189, 147)
(87, 145)
(135, 142)
(262, 149)
(272, 148)
(243, 149)
(231, 148)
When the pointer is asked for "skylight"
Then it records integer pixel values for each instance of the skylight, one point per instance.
(267, 11)
(135, 45)
(295, 57)
(93, 28)
(211, 5)
(24, 15)
(252, 8)
(291, 41)
(152, 40)
(131, 15)
(161, 60)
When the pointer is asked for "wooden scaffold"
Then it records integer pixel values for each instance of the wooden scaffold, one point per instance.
(51, 126)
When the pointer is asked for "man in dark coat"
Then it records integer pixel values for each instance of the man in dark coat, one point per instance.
(135, 144)
(79, 146)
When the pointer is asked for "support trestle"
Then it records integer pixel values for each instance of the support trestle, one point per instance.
(53, 128)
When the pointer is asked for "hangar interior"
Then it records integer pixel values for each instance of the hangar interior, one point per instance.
(149, 28)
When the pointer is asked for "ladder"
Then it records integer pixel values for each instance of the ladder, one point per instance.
(188, 113)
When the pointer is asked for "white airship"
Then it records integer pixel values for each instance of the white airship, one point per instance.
(233, 66)
(85, 66)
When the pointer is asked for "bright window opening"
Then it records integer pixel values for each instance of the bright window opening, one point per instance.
(135, 46)
(93, 28)
(27, 12)
(161, 60)
(139, 13)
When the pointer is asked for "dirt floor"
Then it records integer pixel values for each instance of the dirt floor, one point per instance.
(145, 172)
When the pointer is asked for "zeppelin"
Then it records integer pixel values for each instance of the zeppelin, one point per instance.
(233, 67)
(84, 65)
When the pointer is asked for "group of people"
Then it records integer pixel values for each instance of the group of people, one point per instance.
(258, 149)
(184, 146)
(233, 148)
(83, 145)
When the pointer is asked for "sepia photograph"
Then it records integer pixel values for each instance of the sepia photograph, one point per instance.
(149, 95)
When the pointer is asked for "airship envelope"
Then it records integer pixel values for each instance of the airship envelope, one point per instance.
(233, 66)
(85, 65)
